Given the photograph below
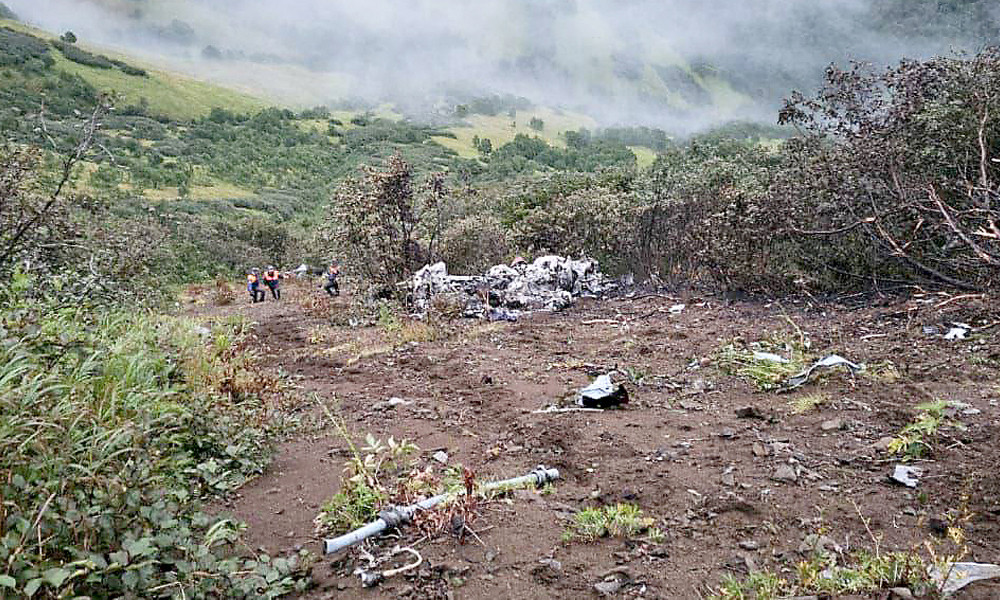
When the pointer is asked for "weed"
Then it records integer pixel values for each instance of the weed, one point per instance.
(883, 372)
(223, 294)
(371, 479)
(804, 404)
(915, 439)
(766, 364)
(619, 520)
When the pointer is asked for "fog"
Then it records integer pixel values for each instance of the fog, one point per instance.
(678, 64)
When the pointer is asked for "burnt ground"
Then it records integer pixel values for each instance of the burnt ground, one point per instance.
(679, 449)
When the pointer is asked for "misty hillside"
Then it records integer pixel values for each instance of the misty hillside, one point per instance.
(675, 64)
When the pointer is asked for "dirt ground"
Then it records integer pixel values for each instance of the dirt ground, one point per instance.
(681, 449)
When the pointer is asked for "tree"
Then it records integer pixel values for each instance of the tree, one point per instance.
(383, 226)
(536, 124)
(901, 169)
(69, 37)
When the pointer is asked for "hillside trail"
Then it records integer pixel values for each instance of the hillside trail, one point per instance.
(735, 478)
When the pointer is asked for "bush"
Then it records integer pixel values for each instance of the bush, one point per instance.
(16, 48)
(899, 170)
(474, 244)
(81, 56)
(111, 429)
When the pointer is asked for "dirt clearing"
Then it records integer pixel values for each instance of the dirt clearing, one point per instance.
(736, 479)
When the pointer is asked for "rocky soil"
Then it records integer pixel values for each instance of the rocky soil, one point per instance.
(737, 479)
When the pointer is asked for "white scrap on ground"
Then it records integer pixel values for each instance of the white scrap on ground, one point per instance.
(549, 283)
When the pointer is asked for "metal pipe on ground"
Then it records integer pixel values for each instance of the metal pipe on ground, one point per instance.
(397, 515)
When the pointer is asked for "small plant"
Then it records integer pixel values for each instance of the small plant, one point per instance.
(619, 520)
(371, 479)
(804, 404)
(820, 575)
(915, 439)
(223, 295)
(765, 364)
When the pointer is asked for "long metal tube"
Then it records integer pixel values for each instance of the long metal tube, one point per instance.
(395, 516)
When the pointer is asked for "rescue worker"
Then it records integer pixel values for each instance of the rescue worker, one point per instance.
(253, 286)
(331, 286)
(272, 280)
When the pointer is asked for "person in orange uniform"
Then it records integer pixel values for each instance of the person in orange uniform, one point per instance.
(253, 286)
(272, 279)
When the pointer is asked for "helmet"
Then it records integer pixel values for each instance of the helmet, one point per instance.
(270, 267)
(255, 270)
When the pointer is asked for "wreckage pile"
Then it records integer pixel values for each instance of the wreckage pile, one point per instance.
(504, 292)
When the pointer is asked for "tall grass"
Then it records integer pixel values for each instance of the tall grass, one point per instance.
(112, 426)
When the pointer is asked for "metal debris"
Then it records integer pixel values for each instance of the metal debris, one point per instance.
(602, 393)
(827, 362)
(908, 476)
(956, 576)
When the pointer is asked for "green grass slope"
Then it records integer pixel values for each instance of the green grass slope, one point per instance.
(166, 93)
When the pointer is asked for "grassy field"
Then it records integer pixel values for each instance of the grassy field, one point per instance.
(167, 93)
(501, 129)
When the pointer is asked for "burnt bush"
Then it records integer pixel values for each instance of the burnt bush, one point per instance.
(896, 178)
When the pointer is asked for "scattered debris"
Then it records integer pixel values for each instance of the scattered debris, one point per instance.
(770, 357)
(958, 331)
(827, 362)
(958, 575)
(371, 578)
(677, 309)
(441, 456)
(908, 476)
(504, 292)
(602, 393)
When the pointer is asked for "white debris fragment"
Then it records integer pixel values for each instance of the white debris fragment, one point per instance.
(549, 283)
(770, 357)
(952, 577)
(908, 476)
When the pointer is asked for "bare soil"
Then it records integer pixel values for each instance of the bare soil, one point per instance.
(680, 449)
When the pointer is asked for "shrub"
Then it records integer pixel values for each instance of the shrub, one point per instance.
(17, 48)
(83, 57)
(899, 170)
(379, 221)
(475, 243)
(108, 438)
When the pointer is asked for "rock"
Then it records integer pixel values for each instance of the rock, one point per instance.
(901, 593)
(749, 545)
(749, 412)
(832, 424)
(728, 479)
(785, 472)
(608, 588)
(441, 456)
(551, 563)
(727, 433)
(393, 403)
(814, 543)
(759, 450)
(883, 443)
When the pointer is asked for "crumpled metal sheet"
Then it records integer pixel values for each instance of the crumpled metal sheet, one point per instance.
(827, 362)
(952, 577)
(602, 393)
